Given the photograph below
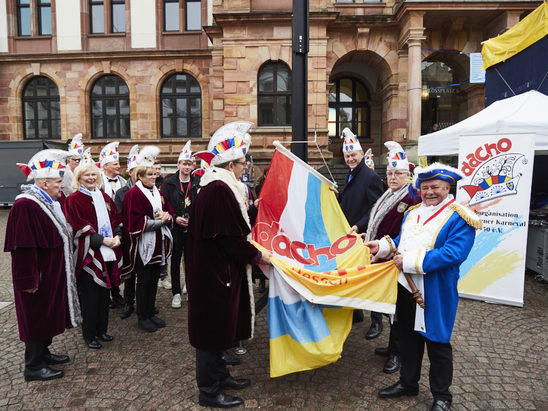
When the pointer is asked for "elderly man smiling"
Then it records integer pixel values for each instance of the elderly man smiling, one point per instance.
(436, 237)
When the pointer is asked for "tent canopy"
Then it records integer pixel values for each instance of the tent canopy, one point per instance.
(524, 113)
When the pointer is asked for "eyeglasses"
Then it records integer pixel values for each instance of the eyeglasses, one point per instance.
(240, 162)
(76, 160)
(396, 173)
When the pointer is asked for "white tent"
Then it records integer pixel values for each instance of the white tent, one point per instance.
(524, 113)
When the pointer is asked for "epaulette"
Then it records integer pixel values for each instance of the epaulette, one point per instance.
(413, 207)
(468, 215)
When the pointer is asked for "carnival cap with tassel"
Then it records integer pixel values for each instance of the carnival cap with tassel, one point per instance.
(76, 147)
(132, 157)
(397, 159)
(109, 153)
(436, 171)
(147, 156)
(186, 153)
(350, 142)
(50, 163)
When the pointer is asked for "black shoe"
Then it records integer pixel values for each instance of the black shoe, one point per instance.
(147, 325)
(105, 337)
(56, 359)
(156, 311)
(374, 331)
(126, 312)
(111, 304)
(397, 390)
(93, 344)
(118, 299)
(158, 322)
(235, 383)
(230, 359)
(221, 400)
(440, 405)
(383, 351)
(392, 364)
(42, 374)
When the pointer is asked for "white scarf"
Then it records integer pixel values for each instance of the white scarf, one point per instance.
(148, 238)
(240, 193)
(104, 227)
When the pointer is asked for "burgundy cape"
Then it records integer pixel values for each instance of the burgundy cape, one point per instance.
(136, 210)
(80, 213)
(391, 223)
(219, 312)
(37, 261)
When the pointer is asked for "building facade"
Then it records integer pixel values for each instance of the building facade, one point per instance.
(163, 71)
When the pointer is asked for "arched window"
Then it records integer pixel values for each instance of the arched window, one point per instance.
(41, 109)
(110, 108)
(181, 106)
(274, 94)
(444, 90)
(349, 107)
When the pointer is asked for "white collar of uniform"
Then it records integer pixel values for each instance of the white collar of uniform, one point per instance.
(427, 211)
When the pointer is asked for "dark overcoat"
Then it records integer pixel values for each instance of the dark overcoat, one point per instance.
(37, 261)
(219, 311)
(363, 187)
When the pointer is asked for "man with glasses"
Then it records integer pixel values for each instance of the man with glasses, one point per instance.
(385, 219)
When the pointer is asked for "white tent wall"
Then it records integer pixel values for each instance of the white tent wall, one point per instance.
(524, 113)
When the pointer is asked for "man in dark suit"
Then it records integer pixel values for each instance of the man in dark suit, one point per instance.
(361, 190)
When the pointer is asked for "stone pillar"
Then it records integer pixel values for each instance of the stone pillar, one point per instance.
(414, 87)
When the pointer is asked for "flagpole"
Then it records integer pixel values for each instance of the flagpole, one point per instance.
(293, 157)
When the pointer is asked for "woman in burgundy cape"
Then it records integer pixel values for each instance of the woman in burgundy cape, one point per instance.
(147, 219)
(97, 233)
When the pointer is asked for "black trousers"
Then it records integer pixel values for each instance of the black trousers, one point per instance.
(412, 351)
(94, 301)
(394, 339)
(35, 354)
(147, 286)
(129, 290)
(210, 371)
(376, 317)
(179, 244)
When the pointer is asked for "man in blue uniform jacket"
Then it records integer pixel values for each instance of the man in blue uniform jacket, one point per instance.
(436, 237)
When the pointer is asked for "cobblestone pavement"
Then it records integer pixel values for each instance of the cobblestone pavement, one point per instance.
(500, 356)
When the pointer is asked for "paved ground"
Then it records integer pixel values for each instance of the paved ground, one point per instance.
(500, 358)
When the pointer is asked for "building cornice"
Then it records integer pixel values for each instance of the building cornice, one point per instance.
(111, 55)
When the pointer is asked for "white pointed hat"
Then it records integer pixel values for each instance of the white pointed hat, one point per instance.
(397, 159)
(186, 153)
(227, 143)
(350, 142)
(76, 147)
(235, 128)
(147, 156)
(368, 157)
(132, 157)
(50, 163)
(109, 153)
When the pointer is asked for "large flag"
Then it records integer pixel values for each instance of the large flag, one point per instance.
(319, 271)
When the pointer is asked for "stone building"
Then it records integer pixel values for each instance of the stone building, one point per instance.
(163, 71)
